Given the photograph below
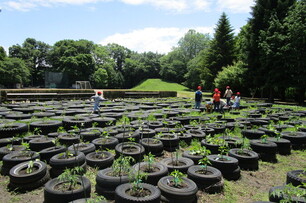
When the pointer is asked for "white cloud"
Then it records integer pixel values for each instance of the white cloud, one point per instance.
(236, 6)
(159, 40)
(173, 5)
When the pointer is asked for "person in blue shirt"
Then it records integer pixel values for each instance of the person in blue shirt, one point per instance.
(198, 98)
(97, 98)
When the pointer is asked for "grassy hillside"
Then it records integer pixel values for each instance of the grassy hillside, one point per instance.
(159, 85)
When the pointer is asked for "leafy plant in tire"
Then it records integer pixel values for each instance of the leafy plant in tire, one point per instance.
(136, 180)
(204, 162)
(71, 177)
(264, 139)
(122, 165)
(290, 194)
(177, 178)
(223, 151)
(150, 159)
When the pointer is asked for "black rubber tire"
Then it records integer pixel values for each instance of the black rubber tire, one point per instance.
(11, 160)
(13, 148)
(100, 163)
(154, 124)
(104, 122)
(106, 184)
(39, 144)
(228, 164)
(89, 136)
(152, 145)
(211, 183)
(86, 148)
(105, 143)
(178, 195)
(278, 198)
(124, 137)
(283, 145)
(12, 140)
(23, 187)
(123, 197)
(170, 143)
(46, 154)
(81, 122)
(12, 129)
(152, 177)
(51, 195)
(183, 168)
(137, 153)
(46, 127)
(267, 151)
(294, 179)
(17, 177)
(77, 160)
(252, 134)
(249, 161)
(68, 139)
(197, 134)
(297, 139)
(86, 200)
(195, 158)
(214, 149)
(146, 133)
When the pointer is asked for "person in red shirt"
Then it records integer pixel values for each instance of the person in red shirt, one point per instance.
(216, 100)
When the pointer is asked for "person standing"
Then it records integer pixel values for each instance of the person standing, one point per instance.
(216, 101)
(237, 101)
(97, 98)
(228, 94)
(198, 97)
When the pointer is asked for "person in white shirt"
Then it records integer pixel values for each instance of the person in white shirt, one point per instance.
(228, 94)
(237, 101)
(97, 98)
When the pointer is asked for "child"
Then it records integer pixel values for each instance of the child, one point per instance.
(198, 98)
(209, 107)
(228, 94)
(237, 101)
(97, 98)
(216, 99)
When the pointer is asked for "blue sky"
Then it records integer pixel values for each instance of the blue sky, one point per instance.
(140, 25)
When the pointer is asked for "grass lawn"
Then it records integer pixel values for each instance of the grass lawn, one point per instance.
(159, 85)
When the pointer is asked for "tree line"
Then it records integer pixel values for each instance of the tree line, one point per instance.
(266, 58)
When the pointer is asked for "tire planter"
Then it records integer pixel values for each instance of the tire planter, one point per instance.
(68, 139)
(11, 160)
(153, 176)
(194, 157)
(60, 162)
(197, 134)
(181, 164)
(297, 139)
(107, 184)
(83, 147)
(11, 149)
(227, 165)
(252, 134)
(267, 151)
(247, 159)
(39, 144)
(105, 143)
(154, 146)
(46, 126)
(81, 122)
(6, 141)
(47, 153)
(186, 194)
(283, 145)
(278, 198)
(169, 140)
(124, 137)
(51, 194)
(209, 179)
(146, 133)
(214, 148)
(22, 181)
(12, 129)
(88, 136)
(123, 196)
(104, 121)
(132, 149)
(296, 178)
(100, 159)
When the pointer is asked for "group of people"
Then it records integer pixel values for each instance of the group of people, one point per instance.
(217, 102)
